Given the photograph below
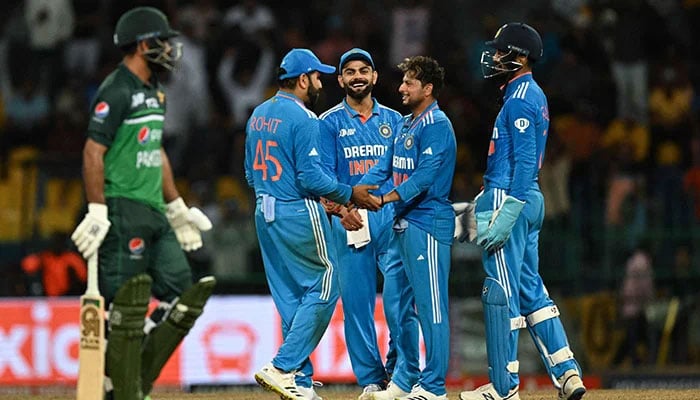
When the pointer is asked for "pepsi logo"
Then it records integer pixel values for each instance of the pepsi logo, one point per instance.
(143, 135)
(102, 109)
(137, 246)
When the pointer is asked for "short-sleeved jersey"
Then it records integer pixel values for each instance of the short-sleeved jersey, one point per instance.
(282, 156)
(519, 137)
(422, 163)
(351, 144)
(127, 117)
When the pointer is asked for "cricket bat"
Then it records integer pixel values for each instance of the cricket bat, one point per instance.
(91, 354)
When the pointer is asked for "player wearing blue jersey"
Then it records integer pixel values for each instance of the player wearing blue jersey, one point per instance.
(509, 214)
(354, 135)
(421, 163)
(283, 166)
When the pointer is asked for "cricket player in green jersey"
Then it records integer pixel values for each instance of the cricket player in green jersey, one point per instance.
(136, 217)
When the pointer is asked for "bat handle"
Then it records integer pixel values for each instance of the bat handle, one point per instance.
(92, 286)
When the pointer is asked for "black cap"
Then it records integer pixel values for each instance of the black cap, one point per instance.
(518, 37)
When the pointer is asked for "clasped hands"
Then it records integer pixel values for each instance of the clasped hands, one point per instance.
(361, 198)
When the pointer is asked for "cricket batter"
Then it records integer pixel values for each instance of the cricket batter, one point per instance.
(135, 215)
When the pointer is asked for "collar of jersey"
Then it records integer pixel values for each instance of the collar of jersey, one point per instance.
(413, 122)
(290, 96)
(353, 113)
(134, 77)
(512, 84)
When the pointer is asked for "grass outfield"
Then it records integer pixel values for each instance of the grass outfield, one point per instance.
(330, 393)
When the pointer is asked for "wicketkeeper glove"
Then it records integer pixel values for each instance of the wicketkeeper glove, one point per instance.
(502, 222)
(188, 224)
(465, 221)
(91, 231)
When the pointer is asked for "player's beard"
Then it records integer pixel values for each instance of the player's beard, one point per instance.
(313, 93)
(160, 72)
(361, 94)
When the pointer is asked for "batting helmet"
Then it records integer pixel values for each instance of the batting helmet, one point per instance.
(142, 23)
(518, 37)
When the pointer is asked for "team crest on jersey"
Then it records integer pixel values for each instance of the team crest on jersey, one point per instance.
(136, 247)
(385, 130)
(408, 143)
(143, 135)
(161, 96)
(102, 110)
(521, 124)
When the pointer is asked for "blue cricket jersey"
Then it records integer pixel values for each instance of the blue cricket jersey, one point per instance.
(422, 163)
(282, 153)
(351, 145)
(519, 137)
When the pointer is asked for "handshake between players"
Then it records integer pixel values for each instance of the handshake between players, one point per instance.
(362, 197)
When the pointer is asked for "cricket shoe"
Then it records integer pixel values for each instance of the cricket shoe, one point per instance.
(571, 386)
(309, 393)
(488, 392)
(371, 388)
(418, 393)
(392, 392)
(282, 383)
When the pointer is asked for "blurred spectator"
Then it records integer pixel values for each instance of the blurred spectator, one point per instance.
(232, 243)
(244, 74)
(27, 119)
(567, 94)
(251, 16)
(63, 271)
(200, 16)
(187, 92)
(410, 23)
(636, 293)
(628, 144)
(554, 181)
(51, 24)
(670, 103)
(82, 51)
(629, 57)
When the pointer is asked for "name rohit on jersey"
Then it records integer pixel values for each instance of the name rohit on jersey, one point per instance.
(360, 167)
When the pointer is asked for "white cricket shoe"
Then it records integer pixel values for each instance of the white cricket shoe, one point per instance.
(418, 393)
(309, 393)
(282, 383)
(371, 388)
(392, 392)
(488, 392)
(571, 386)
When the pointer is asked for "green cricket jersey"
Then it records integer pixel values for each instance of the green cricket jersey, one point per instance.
(127, 117)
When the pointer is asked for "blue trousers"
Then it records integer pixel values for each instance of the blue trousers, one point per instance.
(516, 268)
(427, 264)
(300, 271)
(357, 273)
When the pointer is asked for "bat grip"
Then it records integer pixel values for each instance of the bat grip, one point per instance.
(92, 286)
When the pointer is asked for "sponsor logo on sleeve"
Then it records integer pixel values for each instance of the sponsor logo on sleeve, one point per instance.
(521, 124)
(102, 110)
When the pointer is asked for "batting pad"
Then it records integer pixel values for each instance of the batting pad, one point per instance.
(162, 341)
(498, 342)
(126, 321)
(549, 336)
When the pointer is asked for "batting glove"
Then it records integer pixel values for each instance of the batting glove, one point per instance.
(91, 231)
(502, 223)
(188, 223)
(465, 221)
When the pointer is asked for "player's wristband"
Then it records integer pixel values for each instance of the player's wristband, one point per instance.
(382, 199)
